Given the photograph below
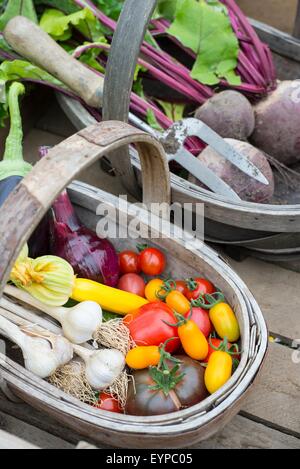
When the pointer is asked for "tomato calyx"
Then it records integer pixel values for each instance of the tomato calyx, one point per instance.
(208, 301)
(181, 319)
(141, 247)
(191, 284)
(166, 378)
(168, 286)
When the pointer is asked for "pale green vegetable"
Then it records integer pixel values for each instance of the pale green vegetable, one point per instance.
(49, 279)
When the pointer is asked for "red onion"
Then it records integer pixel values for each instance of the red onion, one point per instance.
(91, 257)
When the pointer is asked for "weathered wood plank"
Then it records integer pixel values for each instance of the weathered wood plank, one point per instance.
(243, 433)
(275, 399)
(28, 415)
(275, 294)
(8, 441)
(33, 435)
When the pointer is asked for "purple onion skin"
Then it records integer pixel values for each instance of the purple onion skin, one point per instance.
(91, 257)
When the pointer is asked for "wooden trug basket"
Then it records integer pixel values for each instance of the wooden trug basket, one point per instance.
(21, 214)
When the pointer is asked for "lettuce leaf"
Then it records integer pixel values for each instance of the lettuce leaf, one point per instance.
(23, 70)
(205, 28)
(59, 25)
(20, 70)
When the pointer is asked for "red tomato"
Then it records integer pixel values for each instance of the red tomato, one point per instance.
(152, 261)
(201, 318)
(109, 403)
(181, 286)
(216, 343)
(149, 326)
(132, 283)
(129, 262)
(202, 287)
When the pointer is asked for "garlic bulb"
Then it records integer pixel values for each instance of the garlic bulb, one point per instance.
(49, 279)
(79, 324)
(43, 352)
(102, 366)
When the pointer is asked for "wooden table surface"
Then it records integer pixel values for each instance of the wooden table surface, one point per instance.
(271, 416)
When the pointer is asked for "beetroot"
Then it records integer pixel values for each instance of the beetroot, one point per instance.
(246, 187)
(229, 114)
(277, 129)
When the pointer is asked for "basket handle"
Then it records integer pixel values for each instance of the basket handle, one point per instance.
(31, 42)
(119, 76)
(26, 206)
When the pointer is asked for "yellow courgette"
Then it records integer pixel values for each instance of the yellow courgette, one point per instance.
(110, 299)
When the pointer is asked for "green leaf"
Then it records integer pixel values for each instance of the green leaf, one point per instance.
(108, 316)
(152, 121)
(59, 25)
(111, 8)
(205, 28)
(166, 9)
(90, 58)
(67, 6)
(5, 46)
(139, 68)
(21, 69)
(172, 110)
(18, 7)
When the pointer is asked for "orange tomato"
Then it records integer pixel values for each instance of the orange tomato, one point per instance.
(140, 358)
(178, 302)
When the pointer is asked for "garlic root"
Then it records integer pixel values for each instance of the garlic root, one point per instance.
(71, 379)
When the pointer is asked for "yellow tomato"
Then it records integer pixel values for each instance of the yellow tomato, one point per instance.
(140, 358)
(218, 371)
(153, 288)
(225, 322)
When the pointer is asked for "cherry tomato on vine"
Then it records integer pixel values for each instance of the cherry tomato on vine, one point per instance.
(197, 287)
(216, 343)
(154, 288)
(129, 262)
(218, 371)
(181, 286)
(108, 403)
(152, 261)
(201, 318)
(192, 339)
(132, 283)
(142, 357)
(178, 302)
(225, 321)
